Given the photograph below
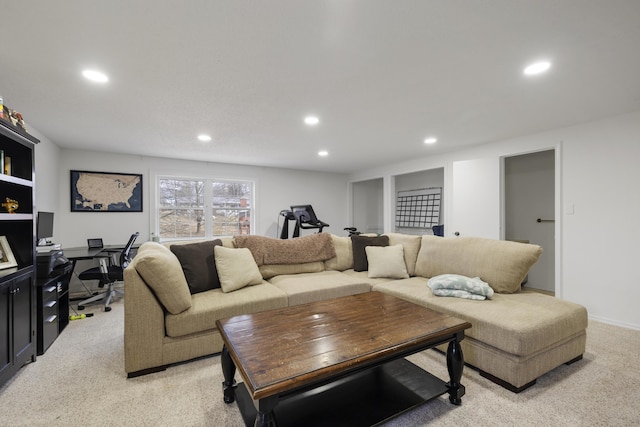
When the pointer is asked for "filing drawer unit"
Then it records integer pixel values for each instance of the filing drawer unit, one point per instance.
(53, 309)
(47, 315)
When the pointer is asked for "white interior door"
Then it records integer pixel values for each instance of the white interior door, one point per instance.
(475, 199)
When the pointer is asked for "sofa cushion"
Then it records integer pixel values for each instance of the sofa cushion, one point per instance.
(359, 255)
(502, 264)
(162, 272)
(311, 287)
(363, 276)
(521, 323)
(386, 261)
(268, 271)
(214, 305)
(198, 264)
(344, 254)
(236, 268)
(411, 247)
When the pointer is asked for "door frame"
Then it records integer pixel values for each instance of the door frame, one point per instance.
(558, 207)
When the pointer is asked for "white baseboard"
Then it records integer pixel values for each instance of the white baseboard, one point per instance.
(615, 322)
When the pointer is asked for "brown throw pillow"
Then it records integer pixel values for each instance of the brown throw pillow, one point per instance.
(199, 265)
(358, 244)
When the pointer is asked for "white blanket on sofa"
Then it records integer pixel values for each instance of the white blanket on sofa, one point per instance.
(455, 285)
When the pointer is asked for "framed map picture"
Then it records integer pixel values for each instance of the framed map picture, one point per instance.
(105, 192)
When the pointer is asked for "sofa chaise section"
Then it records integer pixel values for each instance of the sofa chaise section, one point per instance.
(515, 338)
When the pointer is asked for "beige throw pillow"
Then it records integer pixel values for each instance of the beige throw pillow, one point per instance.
(236, 268)
(386, 261)
(162, 272)
(410, 245)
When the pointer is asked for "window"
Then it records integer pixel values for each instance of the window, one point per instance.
(193, 207)
(231, 208)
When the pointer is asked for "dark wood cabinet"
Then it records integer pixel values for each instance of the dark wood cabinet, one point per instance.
(17, 300)
(53, 307)
(17, 229)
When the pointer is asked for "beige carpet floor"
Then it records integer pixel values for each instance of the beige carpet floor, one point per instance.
(80, 380)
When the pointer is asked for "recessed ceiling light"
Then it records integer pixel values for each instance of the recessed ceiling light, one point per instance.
(323, 153)
(204, 138)
(311, 120)
(430, 140)
(95, 76)
(537, 68)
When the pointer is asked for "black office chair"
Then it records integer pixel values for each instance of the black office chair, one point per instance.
(108, 273)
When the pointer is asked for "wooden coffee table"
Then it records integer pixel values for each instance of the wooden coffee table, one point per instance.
(337, 362)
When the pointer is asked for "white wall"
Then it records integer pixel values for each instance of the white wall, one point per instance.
(599, 184)
(600, 238)
(47, 156)
(276, 189)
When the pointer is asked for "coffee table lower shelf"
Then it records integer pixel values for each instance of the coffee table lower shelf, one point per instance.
(366, 398)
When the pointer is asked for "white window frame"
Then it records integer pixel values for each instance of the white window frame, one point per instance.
(208, 203)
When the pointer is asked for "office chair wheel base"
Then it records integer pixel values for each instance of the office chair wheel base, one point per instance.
(107, 309)
(81, 307)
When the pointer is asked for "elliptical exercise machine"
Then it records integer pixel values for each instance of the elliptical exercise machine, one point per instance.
(305, 218)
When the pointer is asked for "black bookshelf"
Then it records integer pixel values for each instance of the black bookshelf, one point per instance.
(17, 261)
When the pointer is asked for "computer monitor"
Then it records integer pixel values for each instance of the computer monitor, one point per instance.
(44, 227)
(305, 213)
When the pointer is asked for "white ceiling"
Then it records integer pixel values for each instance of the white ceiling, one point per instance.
(380, 75)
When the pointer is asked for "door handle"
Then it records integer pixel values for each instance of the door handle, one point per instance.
(457, 233)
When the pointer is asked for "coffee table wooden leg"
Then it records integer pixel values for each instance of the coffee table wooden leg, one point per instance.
(229, 371)
(265, 416)
(455, 364)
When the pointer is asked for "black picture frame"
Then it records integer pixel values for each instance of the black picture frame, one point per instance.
(105, 191)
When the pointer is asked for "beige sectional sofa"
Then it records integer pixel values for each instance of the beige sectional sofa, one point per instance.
(517, 334)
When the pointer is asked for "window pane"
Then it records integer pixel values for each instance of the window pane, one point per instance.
(178, 223)
(181, 193)
(231, 208)
(231, 194)
(231, 222)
